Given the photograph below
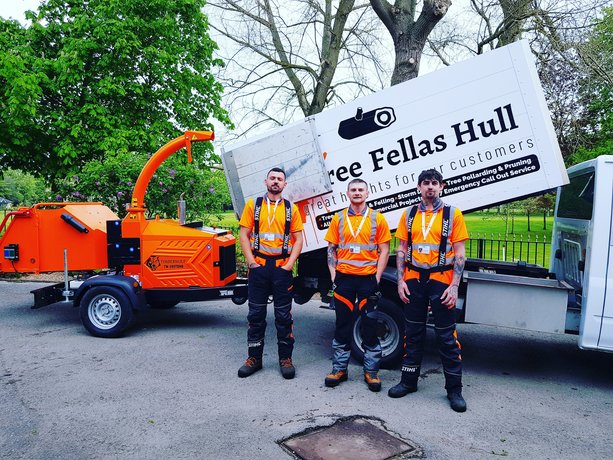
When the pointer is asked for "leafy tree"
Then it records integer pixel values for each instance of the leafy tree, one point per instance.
(542, 203)
(92, 78)
(293, 58)
(112, 180)
(572, 64)
(21, 188)
(595, 90)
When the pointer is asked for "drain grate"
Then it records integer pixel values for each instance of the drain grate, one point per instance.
(350, 439)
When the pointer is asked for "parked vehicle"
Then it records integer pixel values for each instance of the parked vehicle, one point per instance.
(155, 263)
(483, 123)
(491, 146)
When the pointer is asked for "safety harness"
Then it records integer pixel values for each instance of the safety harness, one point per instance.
(442, 264)
(256, 231)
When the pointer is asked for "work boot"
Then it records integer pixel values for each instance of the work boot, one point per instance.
(288, 371)
(251, 366)
(335, 378)
(408, 384)
(456, 401)
(373, 381)
(402, 389)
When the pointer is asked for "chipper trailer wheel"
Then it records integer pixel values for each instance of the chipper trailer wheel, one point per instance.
(106, 311)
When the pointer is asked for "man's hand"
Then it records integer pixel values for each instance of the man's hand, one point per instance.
(287, 267)
(403, 291)
(254, 265)
(450, 296)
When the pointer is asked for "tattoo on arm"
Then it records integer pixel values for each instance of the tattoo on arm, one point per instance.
(458, 268)
(400, 264)
(332, 259)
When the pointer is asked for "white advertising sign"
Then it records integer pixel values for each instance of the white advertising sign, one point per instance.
(483, 123)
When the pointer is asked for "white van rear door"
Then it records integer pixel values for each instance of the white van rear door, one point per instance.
(605, 341)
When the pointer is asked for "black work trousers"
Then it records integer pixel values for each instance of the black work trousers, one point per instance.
(424, 294)
(348, 289)
(262, 282)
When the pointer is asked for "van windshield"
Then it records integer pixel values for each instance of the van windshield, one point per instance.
(577, 198)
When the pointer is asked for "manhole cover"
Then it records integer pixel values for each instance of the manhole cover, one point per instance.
(350, 439)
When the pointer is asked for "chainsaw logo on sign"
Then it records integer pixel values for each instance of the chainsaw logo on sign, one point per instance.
(366, 123)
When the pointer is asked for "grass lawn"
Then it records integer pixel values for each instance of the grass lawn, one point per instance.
(501, 237)
(485, 224)
(480, 224)
(223, 220)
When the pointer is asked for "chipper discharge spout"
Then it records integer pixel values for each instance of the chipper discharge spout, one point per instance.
(164, 253)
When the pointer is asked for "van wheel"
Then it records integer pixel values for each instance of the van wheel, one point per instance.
(106, 311)
(390, 330)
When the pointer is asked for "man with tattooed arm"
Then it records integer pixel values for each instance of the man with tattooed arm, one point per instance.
(430, 259)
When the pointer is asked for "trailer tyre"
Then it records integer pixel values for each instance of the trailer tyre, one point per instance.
(390, 330)
(106, 311)
(239, 300)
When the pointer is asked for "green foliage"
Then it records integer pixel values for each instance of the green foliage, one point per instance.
(596, 89)
(20, 188)
(99, 78)
(112, 181)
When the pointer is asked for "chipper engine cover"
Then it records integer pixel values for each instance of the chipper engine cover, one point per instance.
(172, 255)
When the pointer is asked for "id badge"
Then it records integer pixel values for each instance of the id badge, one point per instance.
(354, 249)
(268, 236)
(423, 249)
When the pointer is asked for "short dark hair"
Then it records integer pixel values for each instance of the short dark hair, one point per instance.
(357, 181)
(276, 169)
(430, 174)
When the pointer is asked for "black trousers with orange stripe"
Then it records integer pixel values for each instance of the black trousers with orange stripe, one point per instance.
(263, 282)
(350, 288)
(424, 294)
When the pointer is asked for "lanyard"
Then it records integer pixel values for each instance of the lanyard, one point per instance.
(359, 227)
(425, 231)
(271, 217)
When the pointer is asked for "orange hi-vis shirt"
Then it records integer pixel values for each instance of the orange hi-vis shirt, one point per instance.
(426, 250)
(272, 227)
(358, 255)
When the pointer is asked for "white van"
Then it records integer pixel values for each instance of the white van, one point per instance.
(582, 250)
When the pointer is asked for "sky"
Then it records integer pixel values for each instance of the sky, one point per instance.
(16, 9)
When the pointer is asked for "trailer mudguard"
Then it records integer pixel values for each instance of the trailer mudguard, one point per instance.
(127, 284)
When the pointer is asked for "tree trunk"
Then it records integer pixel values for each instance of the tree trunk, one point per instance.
(528, 212)
(515, 13)
(409, 36)
(333, 42)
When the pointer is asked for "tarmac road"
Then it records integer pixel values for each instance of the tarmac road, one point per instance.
(169, 389)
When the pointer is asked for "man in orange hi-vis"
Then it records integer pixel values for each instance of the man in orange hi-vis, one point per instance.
(271, 239)
(358, 249)
(430, 260)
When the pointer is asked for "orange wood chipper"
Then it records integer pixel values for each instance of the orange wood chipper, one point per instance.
(154, 262)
